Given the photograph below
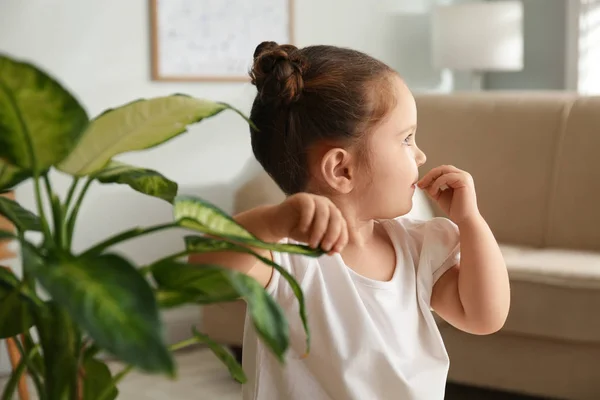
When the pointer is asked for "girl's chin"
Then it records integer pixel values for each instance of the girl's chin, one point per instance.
(400, 212)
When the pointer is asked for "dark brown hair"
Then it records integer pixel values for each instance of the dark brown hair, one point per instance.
(317, 93)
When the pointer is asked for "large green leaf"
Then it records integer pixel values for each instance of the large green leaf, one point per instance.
(110, 300)
(96, 378)
(15, 308)
(135, 126)
(268, 317)
(235, 369)
(24, 220)
(199, 244)
(15, 315)
(40, 121)
(200, 215)
(59, 339)
(11, 176)
(9, 281)
(204, 285)
(143, 180)
(175, 298)
(217, 284)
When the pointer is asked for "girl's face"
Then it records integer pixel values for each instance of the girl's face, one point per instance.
(388, 184)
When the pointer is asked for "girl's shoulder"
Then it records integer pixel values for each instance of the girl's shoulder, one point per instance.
(434, 244)
(438, 229)
(417, 225)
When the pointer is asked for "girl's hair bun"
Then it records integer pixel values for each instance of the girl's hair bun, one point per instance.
(277, 73)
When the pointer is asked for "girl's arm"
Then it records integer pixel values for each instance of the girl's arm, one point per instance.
(261, 222)
(304, 217)
(475, 295)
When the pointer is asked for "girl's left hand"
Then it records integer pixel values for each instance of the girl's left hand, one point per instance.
(453, 190)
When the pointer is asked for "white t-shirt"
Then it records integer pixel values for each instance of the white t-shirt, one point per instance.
(371, 340)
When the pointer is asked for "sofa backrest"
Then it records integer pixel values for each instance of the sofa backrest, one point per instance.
(574, 213)
(533, 157)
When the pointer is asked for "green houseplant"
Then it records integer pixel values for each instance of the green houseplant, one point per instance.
(97, 300)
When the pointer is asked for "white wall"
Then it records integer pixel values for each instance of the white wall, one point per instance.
(589, 48)
(545, 52)
(100, 50)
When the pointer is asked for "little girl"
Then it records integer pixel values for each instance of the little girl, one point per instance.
(336, 131)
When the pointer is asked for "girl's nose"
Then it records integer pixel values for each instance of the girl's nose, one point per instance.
(420, 157)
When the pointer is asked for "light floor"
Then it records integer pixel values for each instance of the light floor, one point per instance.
(200, 377)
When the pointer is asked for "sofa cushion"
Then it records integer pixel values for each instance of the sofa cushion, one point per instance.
(554, 293)
(224, 322)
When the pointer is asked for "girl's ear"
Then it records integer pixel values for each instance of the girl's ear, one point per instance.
(337, 169)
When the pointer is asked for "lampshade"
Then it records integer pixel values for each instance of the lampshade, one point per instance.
(479, 36)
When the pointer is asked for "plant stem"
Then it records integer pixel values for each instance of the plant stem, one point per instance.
(57, 215)
(126, 235)
(71, 193)
(34, 373)
(29, 344)
(145, 269)
(77, 392)
(16, 374)
(90, 351)
(48, 186)
(73, 216)
(40, 208)
(184, 343)
(115, 381)
(28, 279)
(65, 209)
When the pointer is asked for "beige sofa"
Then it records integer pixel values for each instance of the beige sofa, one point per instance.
(534, 157)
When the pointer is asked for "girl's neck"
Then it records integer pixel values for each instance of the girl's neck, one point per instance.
(360, 230)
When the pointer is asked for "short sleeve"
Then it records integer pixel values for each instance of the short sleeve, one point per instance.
(437, 243)
(272, 286)
(442, 244)
(277, 286)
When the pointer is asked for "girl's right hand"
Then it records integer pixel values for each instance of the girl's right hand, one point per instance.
(312, 219)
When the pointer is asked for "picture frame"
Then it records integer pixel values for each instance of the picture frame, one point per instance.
(214, 40)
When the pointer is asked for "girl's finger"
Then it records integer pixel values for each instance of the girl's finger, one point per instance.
(449, 180)
(430, 177)
(307, 214)
(435, 173)
(319, 225)
(334, 229)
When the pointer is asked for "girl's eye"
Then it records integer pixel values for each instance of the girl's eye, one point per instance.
(408, 139)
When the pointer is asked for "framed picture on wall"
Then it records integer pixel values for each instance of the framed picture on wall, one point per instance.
(213, 40)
